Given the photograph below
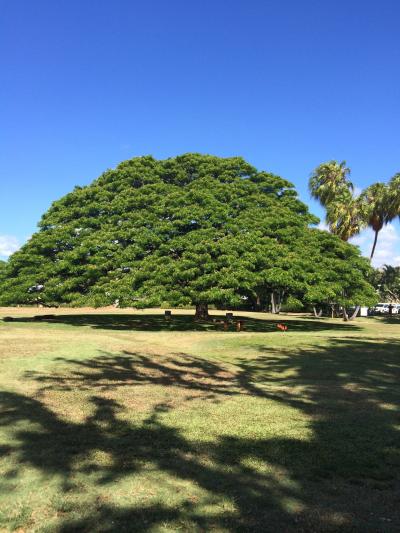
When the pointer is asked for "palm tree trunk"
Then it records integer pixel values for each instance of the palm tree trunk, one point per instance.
(374, 245)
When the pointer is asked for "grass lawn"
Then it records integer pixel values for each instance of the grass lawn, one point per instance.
(120, 421)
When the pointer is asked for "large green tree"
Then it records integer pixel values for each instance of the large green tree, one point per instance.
(190, 230)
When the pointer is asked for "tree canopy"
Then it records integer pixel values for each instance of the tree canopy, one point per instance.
(190, 230)
(2, 268)
(386, 281)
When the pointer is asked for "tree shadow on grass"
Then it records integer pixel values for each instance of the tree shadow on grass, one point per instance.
(109, 371)
(157, 322)
(394, 319)
(59, 448)
(352, 390)
(344, 477)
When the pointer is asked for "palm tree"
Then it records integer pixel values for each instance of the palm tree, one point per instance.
(394, 192)
(379, 208)
(344, 217)
(330, 180)
(330, 184)
(347, 215)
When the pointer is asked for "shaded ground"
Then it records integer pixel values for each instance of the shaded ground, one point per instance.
(157, 322)
(295, 431)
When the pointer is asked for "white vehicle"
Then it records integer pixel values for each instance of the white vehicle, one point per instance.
(381, 308)
(384, 308)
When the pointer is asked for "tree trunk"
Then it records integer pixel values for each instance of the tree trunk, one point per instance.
(353, 316)
(278, 306)
(258, 303)
(201, 312)
(345, 315)
(317, 314)
(273, 308)
(332, 311)
(374, 245)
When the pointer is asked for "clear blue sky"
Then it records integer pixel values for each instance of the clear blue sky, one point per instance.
(287, 84)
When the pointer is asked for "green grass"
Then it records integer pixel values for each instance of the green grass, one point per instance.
(119, 421)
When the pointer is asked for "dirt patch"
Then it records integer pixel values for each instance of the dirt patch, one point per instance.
(26, 344)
